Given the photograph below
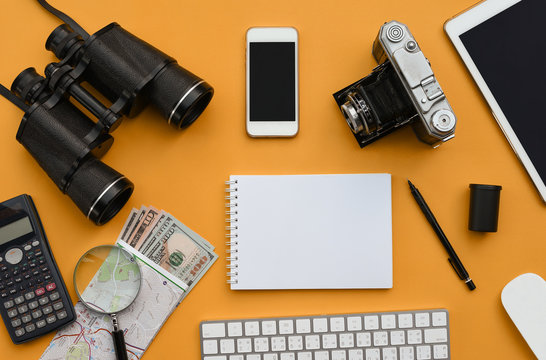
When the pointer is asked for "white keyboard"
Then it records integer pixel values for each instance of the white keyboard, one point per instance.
(400, 335)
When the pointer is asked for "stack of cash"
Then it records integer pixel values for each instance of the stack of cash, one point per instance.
(159, 237)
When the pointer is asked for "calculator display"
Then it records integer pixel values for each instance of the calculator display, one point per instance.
(14, 230)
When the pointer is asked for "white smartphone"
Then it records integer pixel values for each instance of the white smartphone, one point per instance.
(272, 108)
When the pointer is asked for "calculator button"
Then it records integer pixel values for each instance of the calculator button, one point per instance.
(30, 327)
(22, 309)
(12, 313)
(42, 301)
(51, 287)
(2, 286)
(19, 332)
(35, 243)
(47, 277)
(12, 292)
(39, 292)
(40, 323)
(61, 315)
(33, 305)
(36, 314)
(19, 300)
(7, 276)
(38, 253)
(14, 256)
(15, 272)
(16, 322)
(41, 261)
(4, 295)
(29, 295)
(47, 310)
(3, 268)
(27, 247)
(54, 296)
(51, 319)
(26, 318)
(18, 279)
(45, 269)
(8, 304)
(10, 284)
(32, 264)
(27, 276)
(58, 305)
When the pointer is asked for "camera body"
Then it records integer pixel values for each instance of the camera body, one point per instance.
(401, 90)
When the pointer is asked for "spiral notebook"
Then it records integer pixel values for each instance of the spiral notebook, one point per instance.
(309, 231)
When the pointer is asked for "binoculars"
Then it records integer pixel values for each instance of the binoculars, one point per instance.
(131, 74)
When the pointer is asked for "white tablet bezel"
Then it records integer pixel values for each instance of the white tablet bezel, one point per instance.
(460, 24)
(271, 128)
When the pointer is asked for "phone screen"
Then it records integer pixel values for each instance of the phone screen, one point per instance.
(272, 81)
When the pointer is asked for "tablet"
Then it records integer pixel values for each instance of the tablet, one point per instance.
(503, 44)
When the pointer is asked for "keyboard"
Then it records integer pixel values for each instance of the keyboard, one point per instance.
(400, 335)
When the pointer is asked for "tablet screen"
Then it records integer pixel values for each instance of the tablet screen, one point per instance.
(509, 50)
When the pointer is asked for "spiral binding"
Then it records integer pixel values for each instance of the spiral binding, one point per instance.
(231, 229)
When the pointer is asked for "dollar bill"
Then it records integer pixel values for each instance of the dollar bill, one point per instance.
(148, 218)
(131, 225)
(178, 253)
(124, 234)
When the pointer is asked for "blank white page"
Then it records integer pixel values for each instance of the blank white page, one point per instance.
(313, 231)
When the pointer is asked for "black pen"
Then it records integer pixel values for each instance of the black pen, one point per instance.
(453, 258)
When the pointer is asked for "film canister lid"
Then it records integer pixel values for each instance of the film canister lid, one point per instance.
(484, 207)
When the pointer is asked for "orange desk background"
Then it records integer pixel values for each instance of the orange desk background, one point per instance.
(184, 172)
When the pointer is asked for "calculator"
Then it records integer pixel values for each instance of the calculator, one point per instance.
(33, 296)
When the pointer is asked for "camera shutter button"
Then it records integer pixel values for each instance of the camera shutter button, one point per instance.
(395, 33)
(443, 120)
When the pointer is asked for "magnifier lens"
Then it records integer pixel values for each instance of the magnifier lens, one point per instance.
(107, 279)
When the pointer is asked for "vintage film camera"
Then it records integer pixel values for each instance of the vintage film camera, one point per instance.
(401, 90)
(64, 141)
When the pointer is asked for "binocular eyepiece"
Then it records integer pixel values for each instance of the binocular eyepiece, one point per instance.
(65, 142)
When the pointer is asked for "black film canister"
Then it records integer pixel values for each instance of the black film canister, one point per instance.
(484, 207)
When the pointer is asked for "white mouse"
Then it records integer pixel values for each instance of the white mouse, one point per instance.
(524, 299)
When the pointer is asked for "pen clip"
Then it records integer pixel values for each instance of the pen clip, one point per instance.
(455, 268)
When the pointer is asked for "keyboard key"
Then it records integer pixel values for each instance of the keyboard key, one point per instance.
(301, 356)
(423, 353)
(422, 320)
(269, 357)
(337, 324)
(415, 337)
(388, 322)
(286, 327)
(320, 325)
(398, 337)
(329, 341)
(380, 338)
(357, 354)
(253, 357)
(339, 355)
(16, 322)
(261, 344)
(227, 346)
(434, 336)
(236, 357)
(322, 355)
(40, 323)
(244, 345)
(312, 342)
(439, 319)
(390, 354)
(19, 332)
(213, 330)
(440, 351)
(354, 323)
(373, 354)
(303, 326)
(252, 328)
(278, 344)
(407, 353)
(269, 327)
(286, 356)
(235, 329)
(405, 321)
(371, 322)
(295, 343)
(346, 340)
(210, 347)
(363, 339)
(8, 304)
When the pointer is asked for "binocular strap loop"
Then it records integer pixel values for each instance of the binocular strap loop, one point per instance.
(67, 19)
(12, 98)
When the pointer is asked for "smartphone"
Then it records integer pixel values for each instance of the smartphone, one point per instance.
(272, 82)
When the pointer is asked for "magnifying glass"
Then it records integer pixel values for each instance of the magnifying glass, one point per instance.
(107, 280)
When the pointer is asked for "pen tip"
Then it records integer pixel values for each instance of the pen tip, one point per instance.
(409, 183)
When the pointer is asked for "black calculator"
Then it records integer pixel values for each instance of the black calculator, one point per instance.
(33, 296)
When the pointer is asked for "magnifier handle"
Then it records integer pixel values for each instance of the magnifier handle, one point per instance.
(119, 345)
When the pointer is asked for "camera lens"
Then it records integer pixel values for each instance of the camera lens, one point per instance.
(179, 95)
(98, 190)
(357, 114)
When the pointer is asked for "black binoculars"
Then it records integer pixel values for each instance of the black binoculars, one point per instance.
(130, 73)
